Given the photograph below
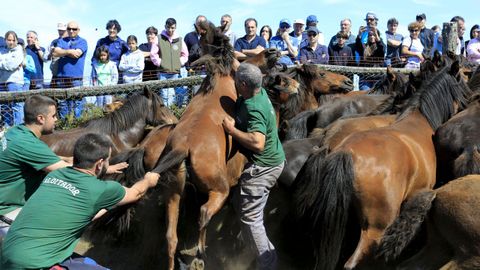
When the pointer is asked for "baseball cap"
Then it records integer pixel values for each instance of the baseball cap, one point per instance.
(284, 20)
(312, 18)
(299, 21)
(313, 29)
(371, 15)
(61, 26)
(421, 17)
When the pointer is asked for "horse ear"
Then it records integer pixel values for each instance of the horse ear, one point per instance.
(455, 68)
(147, 92)
(390, 74)
(411, 77)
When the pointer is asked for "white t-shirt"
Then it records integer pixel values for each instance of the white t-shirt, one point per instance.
(414, 45)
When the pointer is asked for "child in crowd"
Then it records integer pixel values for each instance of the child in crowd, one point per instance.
(132, 62)
(104, 72)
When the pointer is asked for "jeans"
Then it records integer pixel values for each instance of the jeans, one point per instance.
(101, 101)
(250, 199)
(171, 95)
(12, 114)
(67, 106)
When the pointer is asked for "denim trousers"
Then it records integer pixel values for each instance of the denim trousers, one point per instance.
(12, 114)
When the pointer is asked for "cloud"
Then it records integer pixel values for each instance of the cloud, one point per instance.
(428, 3)
(334, 2)
(254, 2)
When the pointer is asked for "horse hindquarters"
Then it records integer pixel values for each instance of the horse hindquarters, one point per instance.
(326, 196)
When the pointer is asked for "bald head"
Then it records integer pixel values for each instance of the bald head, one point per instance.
(73, 29)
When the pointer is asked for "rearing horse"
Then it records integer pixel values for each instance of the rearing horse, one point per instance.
(374, 171)
(200, 143)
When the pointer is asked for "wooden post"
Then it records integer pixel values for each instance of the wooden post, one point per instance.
(449, 37)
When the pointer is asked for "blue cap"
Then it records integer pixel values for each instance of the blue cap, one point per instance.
(312, 18)
(284, 20)
(371, 15)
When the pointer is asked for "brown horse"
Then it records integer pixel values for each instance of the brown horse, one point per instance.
(452, 216)
(374, 171)
(265, 60)
(199, 144)
(125, 126)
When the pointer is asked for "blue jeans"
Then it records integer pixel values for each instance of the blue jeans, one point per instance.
(67, 106)
(171, 95)
(12, 114)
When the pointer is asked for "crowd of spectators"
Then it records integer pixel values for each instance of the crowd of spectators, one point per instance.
(167, 55)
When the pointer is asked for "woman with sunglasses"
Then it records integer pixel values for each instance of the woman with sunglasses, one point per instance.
(412, 47)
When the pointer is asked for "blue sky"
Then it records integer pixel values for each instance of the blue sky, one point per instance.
(135, 16)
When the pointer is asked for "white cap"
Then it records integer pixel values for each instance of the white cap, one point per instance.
(61, 26)
(299, 21)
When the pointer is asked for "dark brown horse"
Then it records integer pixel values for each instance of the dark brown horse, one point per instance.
(374, 171)
(125, 126)
(452, 216)
(199, 144)
(265, 60)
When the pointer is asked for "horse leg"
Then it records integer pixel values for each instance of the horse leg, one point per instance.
(216, 199)
(369, 238)
(173, 206)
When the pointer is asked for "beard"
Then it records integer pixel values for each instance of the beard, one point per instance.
(101, 174)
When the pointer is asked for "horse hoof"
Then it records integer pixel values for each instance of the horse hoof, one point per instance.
(190, 252)
(197, 264)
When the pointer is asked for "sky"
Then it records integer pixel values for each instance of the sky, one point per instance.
(135, 16)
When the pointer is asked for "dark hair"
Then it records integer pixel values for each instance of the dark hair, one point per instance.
(132, 37)
(392, 21)
(113, 23)
(435, 27)
(269, 31)
(151, 30)
(342, 34)
(457, 18)
(90, 148)
(170, 21)
(250, 20)
(101, 49)
(475, 27)
(36, 105)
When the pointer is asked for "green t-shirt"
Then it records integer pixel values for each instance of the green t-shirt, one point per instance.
(256, 114)
(52, 221)
(22, 156)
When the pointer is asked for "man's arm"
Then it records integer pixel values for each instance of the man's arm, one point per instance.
(55, 166)
(253, 52)
(72, 53)
(254, 141)
(139, 189)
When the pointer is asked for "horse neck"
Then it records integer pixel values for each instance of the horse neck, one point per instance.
(415, 122)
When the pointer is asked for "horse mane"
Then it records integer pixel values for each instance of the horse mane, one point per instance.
(474, 82)
(218, 54)
(436, 98)
(135, 108)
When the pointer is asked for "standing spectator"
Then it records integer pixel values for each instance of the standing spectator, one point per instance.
(132, 63)
(345, 27)
(192, 40)
(283, 43)
(426, 34)
(150, 70)
(297, 34)
(104, 72)
(372, 54)
(28, 67)
(437, 39)
(394, 42)
(412, 46)
(72, 51)
(11, 77)
(313, 53)
(226, 23)
(340, 54)
(372, 23)
(116, 46)
(473, 49)
(251, 44)
(37, 53)
(266, 33)
(170, 55)
(312, 21)
(50, 224)
(62, 32)
(474, 33)
(256, 131)
(461, 31)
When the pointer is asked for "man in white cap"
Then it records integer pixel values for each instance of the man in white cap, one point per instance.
(297, 33)
(62, 32)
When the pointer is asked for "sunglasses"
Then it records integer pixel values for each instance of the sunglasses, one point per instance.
(370, 19)
(284, 26)
(72, 29)
(312, 34)
(413, 30)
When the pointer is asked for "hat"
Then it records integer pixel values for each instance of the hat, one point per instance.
(421, 17)
(299, 21)
(313, 29)
(20, 41)
(371, 15)
(61, 26)
(312, 19)
(282, 21)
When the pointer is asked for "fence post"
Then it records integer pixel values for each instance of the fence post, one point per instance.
(450, 37)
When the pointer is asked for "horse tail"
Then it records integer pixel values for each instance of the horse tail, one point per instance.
(135, 170)
(325, 196)
(171, 159)
(406, 226)
(468, 162)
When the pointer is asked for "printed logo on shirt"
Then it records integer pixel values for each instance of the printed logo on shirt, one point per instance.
(54, 181)
(175, 47)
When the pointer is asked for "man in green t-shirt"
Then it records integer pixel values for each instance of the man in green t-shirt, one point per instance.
(52, 221)
(256, 131)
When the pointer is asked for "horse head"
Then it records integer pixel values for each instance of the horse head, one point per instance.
(280, 87)
(158, 113)
(323, 82)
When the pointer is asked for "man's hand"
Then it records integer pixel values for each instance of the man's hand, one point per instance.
(285, 36)
(117, 168)
(228, 124)
(152, 178)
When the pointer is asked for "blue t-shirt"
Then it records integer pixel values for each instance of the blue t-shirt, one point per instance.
(116, 48)
(243, 44)
(72, 67)
(38, 75)
(278, 43)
